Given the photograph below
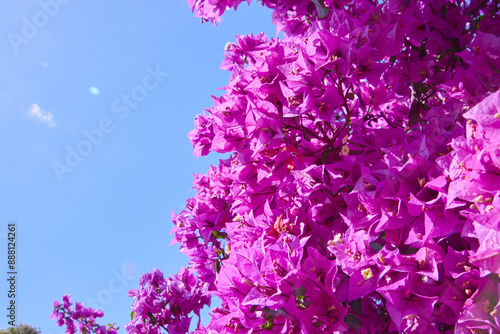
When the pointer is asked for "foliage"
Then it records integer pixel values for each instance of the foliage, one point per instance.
(362, 191)
(20, 329)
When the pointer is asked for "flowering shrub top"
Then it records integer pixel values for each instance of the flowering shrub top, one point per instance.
(85, 318)
(166, 303)
(363, 189)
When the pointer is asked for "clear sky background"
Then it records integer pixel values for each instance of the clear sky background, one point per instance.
(90, 227)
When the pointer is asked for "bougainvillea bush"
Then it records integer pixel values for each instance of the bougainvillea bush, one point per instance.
(362, 193)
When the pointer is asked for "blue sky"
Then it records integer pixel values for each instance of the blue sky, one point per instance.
(119, 85)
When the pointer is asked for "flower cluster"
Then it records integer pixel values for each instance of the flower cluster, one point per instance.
(80, 319)
(363, 184)
(362, 193)
(166, 303)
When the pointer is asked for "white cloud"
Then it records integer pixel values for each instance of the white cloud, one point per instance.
(41, 115)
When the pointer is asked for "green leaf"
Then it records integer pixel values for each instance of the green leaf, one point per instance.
(269, 324)
(353, 322)
(301, 291)
(356, 306)
(325, 155)
(301, 299)
(220, 235)
(321, 8)
(132, 315)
